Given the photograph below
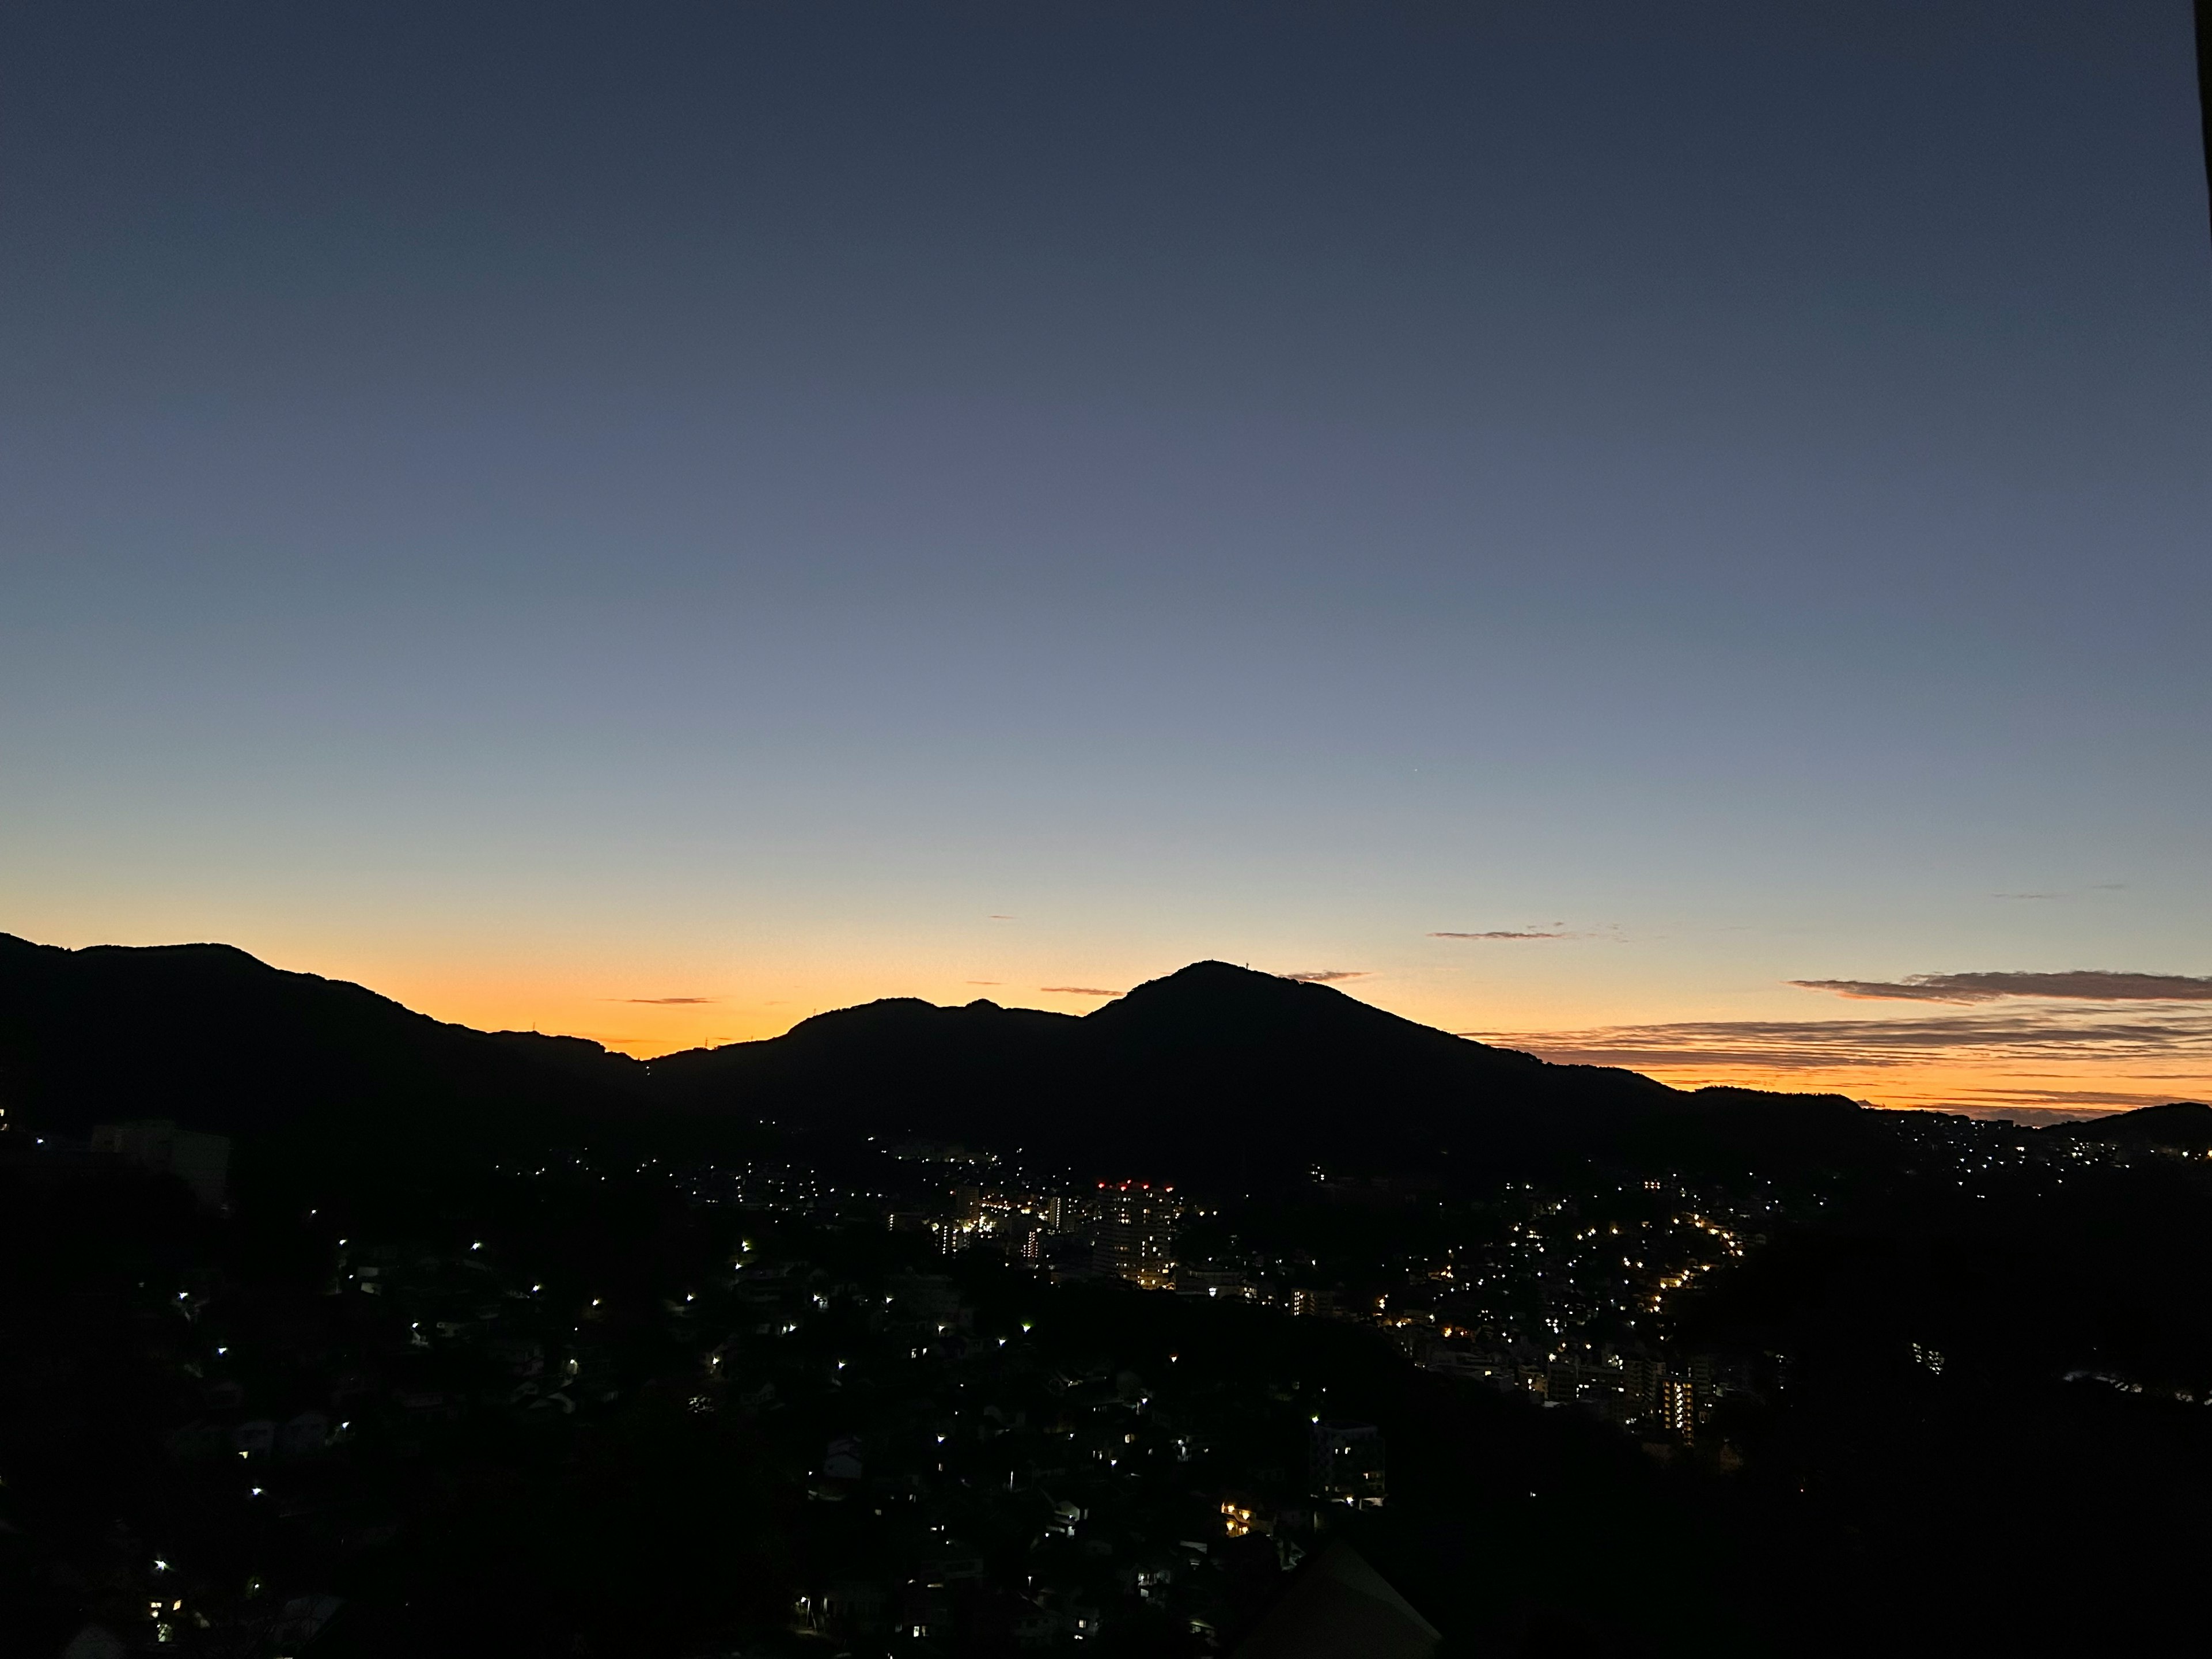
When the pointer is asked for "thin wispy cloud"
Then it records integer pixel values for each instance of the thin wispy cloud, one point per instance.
(665, 1002)
(1326, 976)
(1076, 991)
(987, 982)
(1507, 933)
(2054, 1036)
(2077, 985)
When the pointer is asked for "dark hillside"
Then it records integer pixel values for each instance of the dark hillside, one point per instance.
(214, 1038)
(1213, 1073)
(897, 1066)
(2185, 1125)
(1221, 1074)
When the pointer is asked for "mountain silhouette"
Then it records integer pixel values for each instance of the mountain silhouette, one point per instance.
(219, 1041)
(1216, 1072)
(1213, 1073)
(2184, 1126)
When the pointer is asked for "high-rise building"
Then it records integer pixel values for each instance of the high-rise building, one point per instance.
(1678, 1406)
(1132, 1231)
(1348, 1464)
(1701, 1382)
(1640, 1376)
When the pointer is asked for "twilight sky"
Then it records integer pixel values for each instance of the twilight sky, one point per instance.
(1669, 534)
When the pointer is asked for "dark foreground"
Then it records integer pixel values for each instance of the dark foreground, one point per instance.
(594, 1412)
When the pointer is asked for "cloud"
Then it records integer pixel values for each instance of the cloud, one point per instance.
(994, 917)
(665, 1002)
(2041, 1036)
(1506, 933)
(987, 982)
(1325, 975)
(1076, 991)
(2079, 985)
(2018, 1062)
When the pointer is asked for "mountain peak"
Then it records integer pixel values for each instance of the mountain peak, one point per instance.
(1210, 1002)
(1222, 982)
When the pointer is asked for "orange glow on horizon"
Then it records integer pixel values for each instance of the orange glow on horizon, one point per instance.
(2029, 1085)
(2029, 1089)
(647, 1006)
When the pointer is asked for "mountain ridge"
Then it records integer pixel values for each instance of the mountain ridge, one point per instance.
(1232, 1075)
(1213, 1072)
(211, 1035)
(2178, 1126)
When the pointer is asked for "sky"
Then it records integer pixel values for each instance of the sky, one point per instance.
(1667, 535)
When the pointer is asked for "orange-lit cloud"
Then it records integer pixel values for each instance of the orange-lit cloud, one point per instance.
(2077, 985)
(2012, 1043)
(2047, 1058)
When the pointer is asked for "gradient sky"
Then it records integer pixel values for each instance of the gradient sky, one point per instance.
(651, 521)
